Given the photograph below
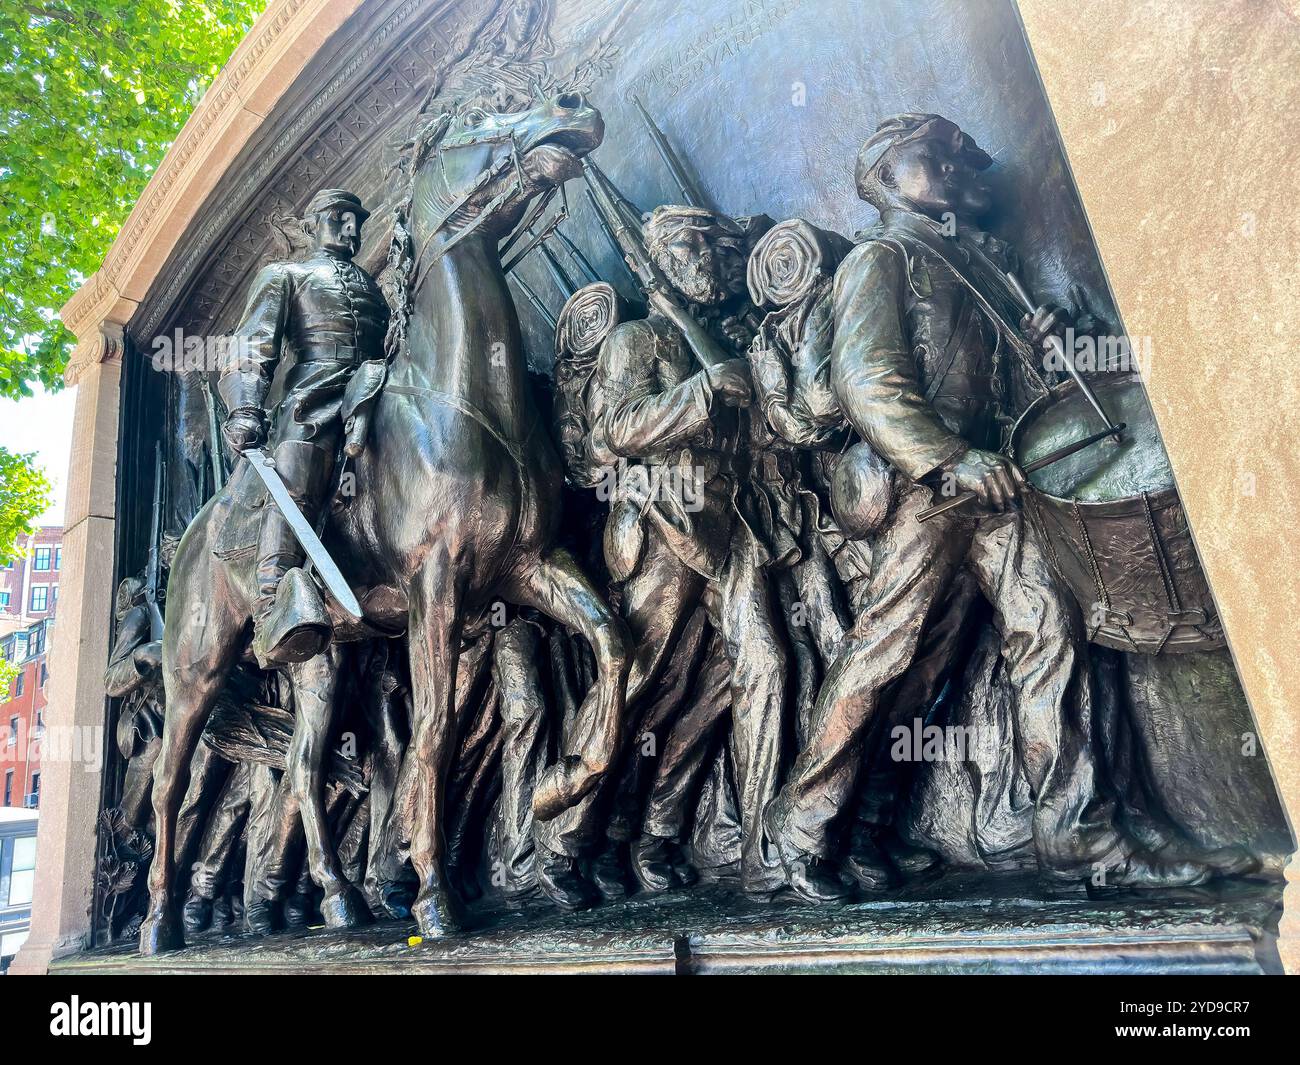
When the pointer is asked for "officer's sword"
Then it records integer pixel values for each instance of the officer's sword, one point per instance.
(320, 558)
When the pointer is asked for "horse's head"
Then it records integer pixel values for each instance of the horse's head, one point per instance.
(487, 164)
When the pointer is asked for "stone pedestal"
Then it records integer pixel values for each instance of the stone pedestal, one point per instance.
(74, 741)
(960, 924)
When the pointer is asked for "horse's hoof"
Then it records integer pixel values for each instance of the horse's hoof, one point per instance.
(435, 915)
(344, 909)
(161, 932)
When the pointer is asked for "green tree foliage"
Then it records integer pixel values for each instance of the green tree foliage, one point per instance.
(92, 93)
(24, 495)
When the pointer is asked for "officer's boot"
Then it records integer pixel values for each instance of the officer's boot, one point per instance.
(290, 623)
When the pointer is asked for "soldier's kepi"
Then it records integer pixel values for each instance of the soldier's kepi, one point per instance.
(332, 316)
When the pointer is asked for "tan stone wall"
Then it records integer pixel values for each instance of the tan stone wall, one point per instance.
(1180, 119)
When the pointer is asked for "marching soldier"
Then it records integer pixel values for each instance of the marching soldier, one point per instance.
(331, 314)
(667, 432)
(924, 359)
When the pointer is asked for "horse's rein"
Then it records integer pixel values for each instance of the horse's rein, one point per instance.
(484, 179)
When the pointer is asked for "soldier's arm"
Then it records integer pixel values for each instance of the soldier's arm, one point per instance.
(635, 416)
(873, 372)
(123, 675)
(251, 362)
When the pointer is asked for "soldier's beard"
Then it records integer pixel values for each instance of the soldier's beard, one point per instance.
(698, 282)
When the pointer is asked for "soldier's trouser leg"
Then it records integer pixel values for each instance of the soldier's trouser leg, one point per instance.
(652, 724)
(137, 786)
(1047, 663)
(913, 696)
(515, 668)
(915, 565)
(658, 600)
(221, 835)
(688, 753)
(756, 644)
(208, 775)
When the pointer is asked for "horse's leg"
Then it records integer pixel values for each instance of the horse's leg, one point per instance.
(198, 651)
(555, 584)
(435, 628)
(315, 690)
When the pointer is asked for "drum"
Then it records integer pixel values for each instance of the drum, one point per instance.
(1114, 524)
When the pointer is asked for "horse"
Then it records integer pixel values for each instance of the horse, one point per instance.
(456, 506)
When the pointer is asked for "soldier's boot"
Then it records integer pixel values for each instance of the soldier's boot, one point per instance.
(290, 622)
(654, 863)
(196, 914)
(867, 863)
(561, 881)
(812, 877)
(609, 872)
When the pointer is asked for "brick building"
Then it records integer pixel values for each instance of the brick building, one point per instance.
(29, 586)
(22, 713)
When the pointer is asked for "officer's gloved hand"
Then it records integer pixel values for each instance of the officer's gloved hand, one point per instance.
(244, 430)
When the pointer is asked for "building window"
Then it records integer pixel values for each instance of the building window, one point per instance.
(34, 799)
(58, 558)
(12, 741)
(24, 871)
(38, 641)
(40, 597)
(9, 785)
(41, 561)
(4, 599)
(19, 682)
(45, 674)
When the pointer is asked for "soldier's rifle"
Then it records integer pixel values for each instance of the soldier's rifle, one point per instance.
(153, 568)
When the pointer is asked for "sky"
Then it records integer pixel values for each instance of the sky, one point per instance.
(42, 423)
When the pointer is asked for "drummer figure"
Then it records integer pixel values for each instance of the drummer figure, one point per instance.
(927, 353)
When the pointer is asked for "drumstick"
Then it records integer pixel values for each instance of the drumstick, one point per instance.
(1033, 467)
(1058, 346)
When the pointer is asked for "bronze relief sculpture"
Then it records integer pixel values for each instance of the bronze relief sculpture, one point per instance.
(662, 625)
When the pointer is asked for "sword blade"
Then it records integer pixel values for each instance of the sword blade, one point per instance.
(306, 535)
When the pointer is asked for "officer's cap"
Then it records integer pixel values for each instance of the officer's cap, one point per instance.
(328, 199)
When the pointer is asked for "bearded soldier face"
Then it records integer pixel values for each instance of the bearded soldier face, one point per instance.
(704, 270)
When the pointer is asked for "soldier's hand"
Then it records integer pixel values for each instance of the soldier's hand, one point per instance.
(730, 382)
(994, 479)
(1046, 322)
(243, 431)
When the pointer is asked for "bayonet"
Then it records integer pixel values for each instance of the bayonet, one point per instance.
(575, 253)
(535, 300)
(214, 441)
(305, 534)
(686, 186)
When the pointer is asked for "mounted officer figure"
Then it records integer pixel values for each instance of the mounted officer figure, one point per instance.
(332, 316)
